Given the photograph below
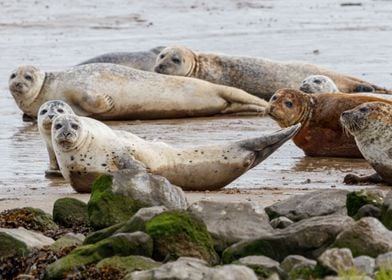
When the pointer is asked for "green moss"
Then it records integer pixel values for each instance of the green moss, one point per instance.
(384, 273)
(355, 200)
(177, 234)
(386, 216)
(106, 208)
(308, 273)
(70, 212)
(351, 273)
(102, 234)
(119, 245)
(128, 264)
(10, 246)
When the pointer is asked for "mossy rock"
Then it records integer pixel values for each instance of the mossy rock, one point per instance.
(386, 211)
(66, 241)
(357, 199)
(128, 264)
(29, 218)
(137, 243)
(106, 208)
(307, 272)
(101, 234)
(9, 246)
(70, 212)
(178, 234)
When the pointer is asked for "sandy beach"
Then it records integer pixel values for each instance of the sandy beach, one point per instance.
(350, 38)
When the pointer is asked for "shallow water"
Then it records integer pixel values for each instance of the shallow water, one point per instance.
(54, 35)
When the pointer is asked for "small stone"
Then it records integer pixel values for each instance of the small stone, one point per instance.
(384, 260)
(337, 260)
(128, 264)
(357, 199)
(281, 222)
(68, 240)
(386, 211)
(291, 261)
(365, 264)
(138, 221)
(368, 210)
(264, 267)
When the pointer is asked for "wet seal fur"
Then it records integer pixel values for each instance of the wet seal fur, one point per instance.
(109, 91)
(46, 114)
(144, 60)
(258, 76)
(371, 126)
(86, 147)
(318, 84)
(321, 134)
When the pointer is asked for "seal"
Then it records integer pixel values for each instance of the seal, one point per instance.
(144, 60)
(85, 148)
(321, 134)
(110, 91)
(318, 84)
(371, 125)
(46, 114)
(258, 76)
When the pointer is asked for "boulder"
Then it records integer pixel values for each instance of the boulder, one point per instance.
(117, 197)
(127, 264)
(281, 222)
(123, 244)
(178, 234)
(386, 211)
(368, 236)
(28, 218)
(357, 199)
(231, 222)
(191, 268)
(70, 212)
(263, 267)
(68, 240)
(308, 237)
(317, 203)
(20, 241)
(364, 265)
(337, 260)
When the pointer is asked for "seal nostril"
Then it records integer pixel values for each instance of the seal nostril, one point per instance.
(50, 116)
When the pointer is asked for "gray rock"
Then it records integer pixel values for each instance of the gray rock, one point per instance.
(317, 203)
(336, 259)
(365, 264)
(191, 268)
(384, 260)
(386, 211)
(138, 221)
(68, 240)
(308, 237)
(296, 261)
(231, 222)
(21, 241)
(357, 199)
(263, 266)
(368, 210)
(151, 190)
(368, 236)
(281, 222)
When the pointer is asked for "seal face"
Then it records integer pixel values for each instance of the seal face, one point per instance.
(318, 84)
(110, 91)
(46, 114)
(86, 148)
(321, 133)
(258, 76)
(371, 125)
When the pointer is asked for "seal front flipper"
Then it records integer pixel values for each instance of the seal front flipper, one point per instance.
(352, 179)
(264, 146)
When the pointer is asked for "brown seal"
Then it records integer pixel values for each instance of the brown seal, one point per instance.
(144, 60)
(371, 125)
(321, 133)
(258, 76)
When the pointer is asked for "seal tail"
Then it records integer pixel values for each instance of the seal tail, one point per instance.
(265, 145)
(378, 89)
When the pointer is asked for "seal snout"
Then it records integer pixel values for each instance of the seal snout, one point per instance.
(160, 68)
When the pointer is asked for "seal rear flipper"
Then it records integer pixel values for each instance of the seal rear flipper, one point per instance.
(92, 103)
(264, 146)
(352, 179)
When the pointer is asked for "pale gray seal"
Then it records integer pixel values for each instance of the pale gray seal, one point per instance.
(318, 84)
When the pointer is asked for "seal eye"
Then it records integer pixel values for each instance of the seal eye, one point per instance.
(58, 126)
(317, 81)
(288, 104)
(273, 98)
(364, 109)
(28, 77)
(161, 56)
(60, 111)
(13, 76)
(74, 126)
(43, 112)
(176, 60)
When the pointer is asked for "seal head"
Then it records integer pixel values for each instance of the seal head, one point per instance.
(49, 111)
(68, 132)
(25, 84)
(318, 84)
(176, 61)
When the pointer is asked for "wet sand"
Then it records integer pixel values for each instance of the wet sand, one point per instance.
(51, 35)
